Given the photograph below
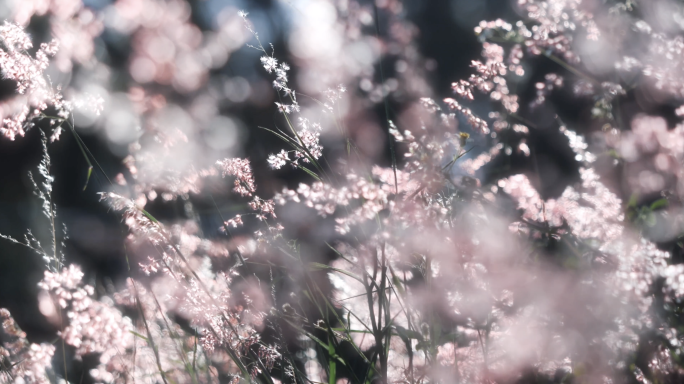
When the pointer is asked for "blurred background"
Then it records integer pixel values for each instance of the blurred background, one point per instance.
(184, 68)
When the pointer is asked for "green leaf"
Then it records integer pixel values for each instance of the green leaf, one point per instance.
(282, 136)
(311, 173)
(149, 216)
(317, 340)
(332, 372)
(138, 335)
(90, 172)
(632, 200)
(660, 203)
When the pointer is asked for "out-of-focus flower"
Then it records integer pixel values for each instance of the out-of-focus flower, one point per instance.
(21, 360)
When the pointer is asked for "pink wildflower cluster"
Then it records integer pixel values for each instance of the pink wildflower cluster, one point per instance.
(308, 137)
(599, 216)
(93, 326)
(17, 65)
(35, 91)
(556, 22)
(20, 360)
(224, 319)
(490, 79)
(372, 199)
(280, 83)
(240, 168)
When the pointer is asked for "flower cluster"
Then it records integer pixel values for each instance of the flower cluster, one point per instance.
(93, 326)
(309, 148)
(21, 360)
(240, 168)
(280, 83)
(35, 91)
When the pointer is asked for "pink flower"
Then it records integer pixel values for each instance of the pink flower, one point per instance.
(240, 168)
